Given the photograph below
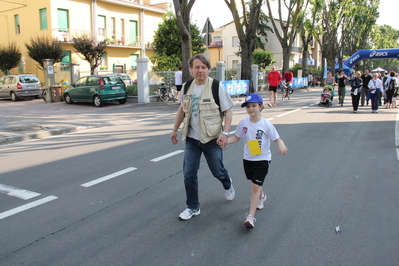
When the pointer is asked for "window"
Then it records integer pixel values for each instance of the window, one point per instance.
(43, 18)
(133, 62)
(123, 29)
(65, 63)
(63, 19)
(217, 39)
(101, 27)
(235, 42)
(113, 33)
(132, 32)
(81, 82)
(17, 25)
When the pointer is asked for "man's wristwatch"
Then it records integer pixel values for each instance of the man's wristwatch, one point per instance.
(225, 133)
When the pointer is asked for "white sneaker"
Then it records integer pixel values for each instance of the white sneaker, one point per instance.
(250, 221)
(188, 213)
(230, 193)
(261, 201)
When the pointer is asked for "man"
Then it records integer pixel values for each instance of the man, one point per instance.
(202, 132)
(274, 79)
(179, 80)
(289, 77)
(366, 77)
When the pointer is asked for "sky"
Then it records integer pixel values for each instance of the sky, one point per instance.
(220, 15)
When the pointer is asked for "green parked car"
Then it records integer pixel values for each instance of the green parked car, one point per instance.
(97, 89)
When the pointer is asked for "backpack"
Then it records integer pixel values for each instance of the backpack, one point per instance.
(391, 85)
(215, 89)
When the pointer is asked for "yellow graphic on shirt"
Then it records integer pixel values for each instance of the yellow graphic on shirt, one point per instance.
(254, 148)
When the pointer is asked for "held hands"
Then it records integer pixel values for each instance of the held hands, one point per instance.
(222, 141)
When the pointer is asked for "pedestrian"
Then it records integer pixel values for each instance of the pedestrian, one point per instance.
(310, 80)
(257, 132)
(288, 78)
(390, 89)
(356, 90)
(383, 78)
(179, 80)
(366, 77)
(330, 82)
(203, 132)
(274, 79)
(375, 92)
(341, 86)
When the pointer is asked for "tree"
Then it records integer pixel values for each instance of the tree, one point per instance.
(287, 29)
(42, 47)
(182, 10)
(167, 44)
(262, 58)
(307, 31)
(10, 57)
(246, 27)
(91, 51)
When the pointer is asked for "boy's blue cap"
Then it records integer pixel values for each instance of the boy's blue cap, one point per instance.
(252, 98)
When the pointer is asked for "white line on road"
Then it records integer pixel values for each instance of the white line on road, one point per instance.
(26, 207)
(17, 192)
(288, 112)
(166, 156)
(108, 177)
(151, 118)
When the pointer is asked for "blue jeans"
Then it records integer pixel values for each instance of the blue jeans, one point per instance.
(374, 101)
(192, 156)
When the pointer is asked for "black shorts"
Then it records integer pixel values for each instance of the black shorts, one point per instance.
(178, 87)
(273, 88)
(256, 171)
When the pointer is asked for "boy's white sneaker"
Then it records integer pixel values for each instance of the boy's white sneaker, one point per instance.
(250, 221)
(261, 201)
(188, 213)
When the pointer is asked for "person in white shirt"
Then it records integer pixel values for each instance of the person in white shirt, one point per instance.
(257, 132)
(375, 86)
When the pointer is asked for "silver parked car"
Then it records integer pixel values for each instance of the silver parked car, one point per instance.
(19, 86)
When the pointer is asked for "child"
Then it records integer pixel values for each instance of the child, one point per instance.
(257, 133)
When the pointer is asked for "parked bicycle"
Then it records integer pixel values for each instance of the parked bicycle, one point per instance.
(167, 92)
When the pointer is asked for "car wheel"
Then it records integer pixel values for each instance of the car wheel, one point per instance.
(97, 101)
(123, 101)
(68, 99)
(14, 97)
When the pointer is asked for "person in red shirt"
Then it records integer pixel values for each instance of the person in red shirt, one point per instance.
(289, 77)
(274, 79)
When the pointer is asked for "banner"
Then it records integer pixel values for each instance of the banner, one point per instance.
(299, 82)
(236, 87)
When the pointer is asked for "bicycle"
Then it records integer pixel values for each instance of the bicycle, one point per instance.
(167, 92)
(286, 90)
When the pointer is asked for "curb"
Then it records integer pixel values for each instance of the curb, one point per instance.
(43, 134)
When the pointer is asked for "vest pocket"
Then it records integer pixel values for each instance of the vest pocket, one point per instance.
(212, 125)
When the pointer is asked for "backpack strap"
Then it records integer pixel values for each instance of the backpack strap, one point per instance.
(215, 89)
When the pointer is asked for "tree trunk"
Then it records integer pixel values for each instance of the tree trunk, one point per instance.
(246, 62)
(286, 57)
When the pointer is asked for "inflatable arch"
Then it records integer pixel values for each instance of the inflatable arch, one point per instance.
(370, 54)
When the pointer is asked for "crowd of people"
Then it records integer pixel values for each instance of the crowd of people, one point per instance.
(377, 89)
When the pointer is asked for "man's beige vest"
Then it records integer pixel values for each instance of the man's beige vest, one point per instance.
(210, 119)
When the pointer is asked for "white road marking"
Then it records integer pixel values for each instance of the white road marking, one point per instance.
(166, 156)
(108, 177)
(151, 118)
(26, 207)
(17, 192)
(288, 112)
(397, 135)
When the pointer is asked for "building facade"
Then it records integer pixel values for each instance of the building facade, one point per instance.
(126, 25)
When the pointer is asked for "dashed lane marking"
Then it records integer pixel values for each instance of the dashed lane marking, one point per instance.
(26, 207)
(166, 156)
(108, 177)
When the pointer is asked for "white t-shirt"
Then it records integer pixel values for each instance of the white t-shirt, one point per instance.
(262, 131)
(178, 78)
(225, 103)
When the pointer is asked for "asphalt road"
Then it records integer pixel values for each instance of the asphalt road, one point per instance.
(112, 195)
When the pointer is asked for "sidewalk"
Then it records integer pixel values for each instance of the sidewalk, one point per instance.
(35, 119)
